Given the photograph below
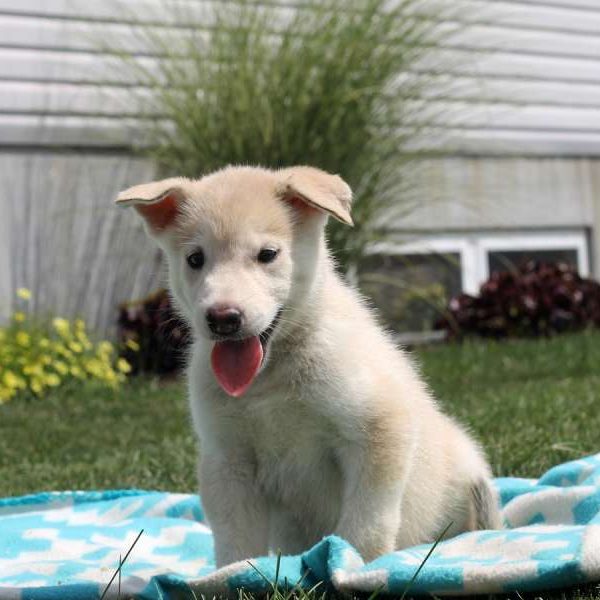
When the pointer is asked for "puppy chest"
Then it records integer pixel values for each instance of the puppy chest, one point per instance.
(295, 461)
(305, 481)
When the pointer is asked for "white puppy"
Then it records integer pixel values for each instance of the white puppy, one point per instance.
(311, 422)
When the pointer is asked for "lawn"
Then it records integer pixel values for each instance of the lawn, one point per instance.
(531, 403)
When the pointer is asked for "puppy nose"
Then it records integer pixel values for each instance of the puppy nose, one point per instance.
(224, 320)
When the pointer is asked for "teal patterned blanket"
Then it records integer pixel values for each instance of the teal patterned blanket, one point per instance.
(69, 545)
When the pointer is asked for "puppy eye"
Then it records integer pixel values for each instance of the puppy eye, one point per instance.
(196, 260)
(267, 255)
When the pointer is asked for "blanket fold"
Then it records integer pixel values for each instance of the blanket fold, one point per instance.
(68, 545)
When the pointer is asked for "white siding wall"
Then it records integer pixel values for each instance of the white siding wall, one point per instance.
(62, 237)
(525, 73)
(500, 193)
(460, 196)
(523, 78)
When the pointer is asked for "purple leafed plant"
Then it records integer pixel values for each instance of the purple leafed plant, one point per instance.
(535, 299)
(154, 338)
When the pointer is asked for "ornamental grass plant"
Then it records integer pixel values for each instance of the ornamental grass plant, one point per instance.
(345, 85)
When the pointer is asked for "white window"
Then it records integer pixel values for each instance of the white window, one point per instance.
(480, 252)
(569, 247)
(394, 272)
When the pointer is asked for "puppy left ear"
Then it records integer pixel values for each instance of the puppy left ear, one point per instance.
(315, 189)
(157, 202)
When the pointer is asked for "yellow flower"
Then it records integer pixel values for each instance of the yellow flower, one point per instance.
(76, 347)
(77, 372)
(123, 366)
(52, 380)
(111, 376)
(38, 363)
(22, 339)
(24, 294)
(83, 338)
(132, 345)
(11, 381)
(62, 326)
(61, 367)
(94, 367)
(60, 349)
(105, 348)
(33, 369)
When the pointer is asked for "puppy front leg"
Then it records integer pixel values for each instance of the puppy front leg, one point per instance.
(370, 520)
(371, 505)
(236, 510)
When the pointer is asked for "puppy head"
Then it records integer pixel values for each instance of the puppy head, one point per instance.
(242, 245)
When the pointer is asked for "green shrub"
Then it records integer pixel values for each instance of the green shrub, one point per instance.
(329, 83)
(37, 356)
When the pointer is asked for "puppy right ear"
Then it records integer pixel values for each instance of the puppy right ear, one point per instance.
(158, 202)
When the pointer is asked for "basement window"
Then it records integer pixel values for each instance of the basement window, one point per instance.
(409, 291)
(410, 282)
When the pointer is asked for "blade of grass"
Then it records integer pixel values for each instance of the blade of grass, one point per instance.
(376, 592)
(266, 579)
(427, 556)
(121, 563)
(277, 567)
(298, 586)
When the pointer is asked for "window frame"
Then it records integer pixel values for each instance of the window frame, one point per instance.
(473, 249)
(537, 241)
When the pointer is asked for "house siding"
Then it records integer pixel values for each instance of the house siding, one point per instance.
(521, 108)
(462, 196)
(62, 237)
(522, 78)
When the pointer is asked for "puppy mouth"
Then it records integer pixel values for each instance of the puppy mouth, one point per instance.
(265, 336)
(237, 362)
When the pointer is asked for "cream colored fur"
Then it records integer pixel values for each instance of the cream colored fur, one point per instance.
(338, 433)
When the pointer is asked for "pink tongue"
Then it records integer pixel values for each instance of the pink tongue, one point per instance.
(236, 363)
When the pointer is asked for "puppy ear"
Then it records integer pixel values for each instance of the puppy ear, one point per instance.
(313, 189)
(157, 202)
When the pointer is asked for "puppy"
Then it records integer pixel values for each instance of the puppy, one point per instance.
(311, 422)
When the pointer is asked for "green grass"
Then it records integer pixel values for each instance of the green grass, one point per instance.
(92, 437)
(531, 403)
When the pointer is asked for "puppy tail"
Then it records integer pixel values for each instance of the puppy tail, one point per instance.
(484, 511)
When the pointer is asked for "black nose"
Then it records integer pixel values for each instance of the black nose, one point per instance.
(224, 320)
